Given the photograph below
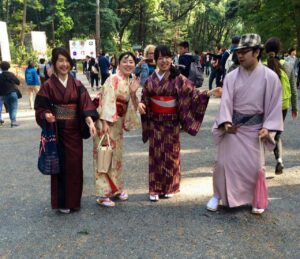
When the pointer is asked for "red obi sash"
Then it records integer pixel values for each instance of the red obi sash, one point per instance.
(163, 104)
(121, 106)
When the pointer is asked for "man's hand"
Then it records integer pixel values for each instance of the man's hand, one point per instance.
(263, 133)
(294, 115)
(229, 128)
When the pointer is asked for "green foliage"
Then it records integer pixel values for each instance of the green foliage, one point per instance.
(124, 23)
(21, 55)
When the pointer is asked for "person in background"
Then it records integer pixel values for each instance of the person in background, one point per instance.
(74, 68)
(185, 58)
(64, 101)
(104, 67)
(289, 94)
(85, 69)
(8, 92)
(1, 106)
(41, 70)
(94, 72)
(146, 66)
(48, 70)
(32, 81)
(113, 64)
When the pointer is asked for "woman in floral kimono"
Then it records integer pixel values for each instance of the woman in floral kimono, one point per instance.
(169, 100)
(117, 110)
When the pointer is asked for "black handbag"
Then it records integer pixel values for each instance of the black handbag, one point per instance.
(19, 94)
(48, 161)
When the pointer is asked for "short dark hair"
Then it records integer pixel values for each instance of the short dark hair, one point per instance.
(291, 50)
(4, 65)
(30, 64)
(184, 44)
(235, 40)
(60, 51)
(126, 55)
(42, 60)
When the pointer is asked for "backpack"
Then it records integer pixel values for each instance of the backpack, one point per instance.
(196, 74)
(94, 70)
(229, 61)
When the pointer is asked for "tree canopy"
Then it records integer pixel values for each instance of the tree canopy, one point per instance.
(124, 23)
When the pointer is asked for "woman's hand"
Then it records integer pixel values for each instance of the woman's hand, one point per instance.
(142, 108)
(217, 92)
(105, 127)
(91, 125)
(294, 115)
(134, 85)
(50, 117)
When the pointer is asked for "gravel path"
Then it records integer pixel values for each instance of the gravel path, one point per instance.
(172, 228)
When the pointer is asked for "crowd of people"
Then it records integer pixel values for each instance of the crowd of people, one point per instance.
(255, 98)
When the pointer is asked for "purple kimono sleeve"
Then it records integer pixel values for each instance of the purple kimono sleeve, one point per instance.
(145, 99)
(192, 105)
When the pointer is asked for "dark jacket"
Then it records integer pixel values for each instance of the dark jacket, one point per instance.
(185, 60)
(8, 83)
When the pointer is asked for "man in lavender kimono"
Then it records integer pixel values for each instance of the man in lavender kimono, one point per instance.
(250, 109)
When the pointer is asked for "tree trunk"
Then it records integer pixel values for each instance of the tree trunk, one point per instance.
(98, 40)
(23, 22)
(7, 11)
(296, 8)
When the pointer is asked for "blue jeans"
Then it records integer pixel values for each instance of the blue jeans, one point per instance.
(1, 105)
(212, 77)
(11, 101)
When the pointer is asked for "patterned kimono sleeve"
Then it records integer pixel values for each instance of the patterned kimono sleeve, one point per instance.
(42, 104)
(108, 111)
(192, 105)
(131, 120)
(145, 99)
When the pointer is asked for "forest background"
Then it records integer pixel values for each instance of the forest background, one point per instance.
(127, 23)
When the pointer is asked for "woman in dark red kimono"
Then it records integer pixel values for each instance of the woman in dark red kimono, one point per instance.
(65, 101)
(169, 100)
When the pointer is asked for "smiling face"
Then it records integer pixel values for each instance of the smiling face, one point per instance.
(62, 66)
(127, 65)
(164, 63)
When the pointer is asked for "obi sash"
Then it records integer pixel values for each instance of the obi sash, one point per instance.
(246, 119)
(65, 111)
(121, 104)
(163, 104)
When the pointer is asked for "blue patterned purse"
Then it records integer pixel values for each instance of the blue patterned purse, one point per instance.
(48, 161)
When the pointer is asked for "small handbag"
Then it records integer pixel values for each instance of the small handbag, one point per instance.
(48, 161)
(104, 156)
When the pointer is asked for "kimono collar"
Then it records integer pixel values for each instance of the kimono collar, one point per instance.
(122, 76)
(63, 82)
(160, 77)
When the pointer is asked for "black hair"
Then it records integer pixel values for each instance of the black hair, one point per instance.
(42, 60)
(30, 64)
(164, 51)
(184, 44)
(60, 51)
(93, 61)
(272, 48)
(291, 50)
(4, 65)
(126, 55)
